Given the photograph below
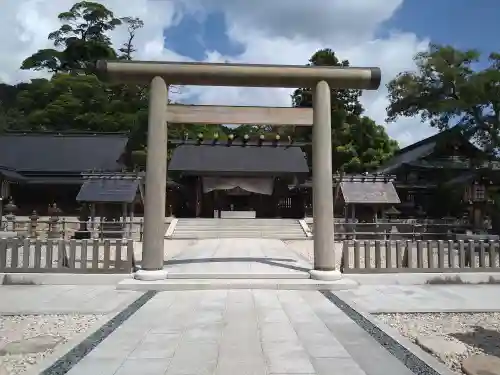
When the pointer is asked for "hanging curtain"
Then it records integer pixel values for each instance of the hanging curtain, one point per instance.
(253, 185)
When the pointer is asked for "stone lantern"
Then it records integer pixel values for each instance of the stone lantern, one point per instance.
(54, 213)
(33, 224)
(10, 208)
(83, 217)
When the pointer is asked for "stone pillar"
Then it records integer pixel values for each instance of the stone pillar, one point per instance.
(156, 181)
(324, 246)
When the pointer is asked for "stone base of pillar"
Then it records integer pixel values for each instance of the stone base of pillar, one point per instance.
(325, 275)
(150, 275)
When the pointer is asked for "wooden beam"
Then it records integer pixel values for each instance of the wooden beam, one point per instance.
(207, 114)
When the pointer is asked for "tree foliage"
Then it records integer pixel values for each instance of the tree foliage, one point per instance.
(446, 90)
(358, 143)
(80, 41)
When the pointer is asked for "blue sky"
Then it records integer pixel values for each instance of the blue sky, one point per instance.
(462, 23)
(191, 37)
(465, 24)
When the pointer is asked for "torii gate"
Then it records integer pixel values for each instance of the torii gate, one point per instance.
(161, 74)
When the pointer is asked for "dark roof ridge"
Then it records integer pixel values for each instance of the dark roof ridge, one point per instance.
(63, 133)
(452, 130)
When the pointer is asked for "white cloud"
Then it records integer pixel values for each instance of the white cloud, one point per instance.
(277, 31)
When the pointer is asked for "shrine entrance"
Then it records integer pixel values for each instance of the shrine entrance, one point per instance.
(161, 74)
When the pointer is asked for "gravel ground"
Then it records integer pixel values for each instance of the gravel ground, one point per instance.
(480, 332)
(18, 327)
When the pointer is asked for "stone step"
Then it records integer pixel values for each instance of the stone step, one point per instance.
(250, 230)
(238, 228)
(217, 284)
(293, 274)
(184, 225)
(232, 236)
(239, 232)
(236, 219)
(236, 225)
(210, 233)
(239, 221)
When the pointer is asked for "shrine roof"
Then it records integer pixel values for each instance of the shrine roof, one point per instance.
(109, 189)
(369, 193)
(10, 175)
(61, 152)
(238, 160)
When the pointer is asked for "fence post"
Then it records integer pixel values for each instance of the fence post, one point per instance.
(63, 228)
(368, 254)
(399, 256)
(470, 256)
(462, 259)
(492, 252)
(345, 257)
(131, 256)
(357, 255)
(420, 254)
(406, 255)
(482, 253)
(3, 253)
(378, 259)
(441, 254)
(451, 254)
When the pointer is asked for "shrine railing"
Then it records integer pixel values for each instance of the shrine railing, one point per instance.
(36, 227)
(420, 256)
(62, 256)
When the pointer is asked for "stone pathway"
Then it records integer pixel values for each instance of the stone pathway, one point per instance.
(246, 258)
(239, 332)
(63, 299)
(424, 298)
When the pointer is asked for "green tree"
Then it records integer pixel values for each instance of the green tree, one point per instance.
(81, 103)
(362, 146)
(345, 101)
(447, 91)
(80, 41)
(127, 49)
(358, 143)
(74, 98)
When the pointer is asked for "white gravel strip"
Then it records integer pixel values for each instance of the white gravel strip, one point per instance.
(480, 332)
(19, 327)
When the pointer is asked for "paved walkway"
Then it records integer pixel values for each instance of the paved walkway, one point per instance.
(63, 299)
(424, 298)
(219, 257)
(239, 332)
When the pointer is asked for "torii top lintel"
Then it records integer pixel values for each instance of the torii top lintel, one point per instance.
(241, 75)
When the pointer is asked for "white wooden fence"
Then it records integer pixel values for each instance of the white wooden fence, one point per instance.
(66, 256)
(420, 256)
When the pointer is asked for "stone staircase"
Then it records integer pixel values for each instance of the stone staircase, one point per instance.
(283, 229)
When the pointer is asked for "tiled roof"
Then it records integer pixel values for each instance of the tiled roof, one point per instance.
(50, 152)
(242, 160)
(369, 192)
